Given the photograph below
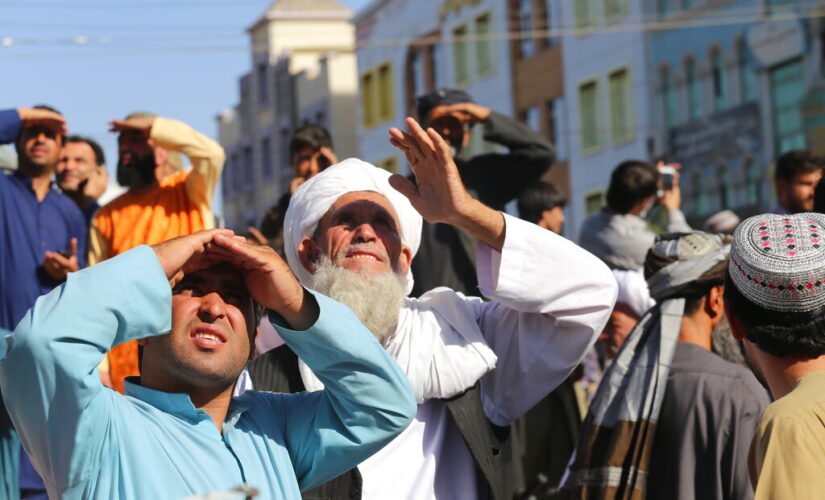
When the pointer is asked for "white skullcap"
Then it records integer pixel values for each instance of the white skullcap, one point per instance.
(314, 198)
(633, 291)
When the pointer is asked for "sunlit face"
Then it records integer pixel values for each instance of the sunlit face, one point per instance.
(39, 147)
(618, 327)
(360, 232)
(798, 195)
(210, 341)
(77, 162)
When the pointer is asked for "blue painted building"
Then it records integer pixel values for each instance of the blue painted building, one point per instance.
(731, 80)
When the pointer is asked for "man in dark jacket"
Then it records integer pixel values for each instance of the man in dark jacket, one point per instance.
(446, 256)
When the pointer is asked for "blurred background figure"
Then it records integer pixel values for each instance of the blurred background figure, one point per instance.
(722, 222)
(447, 256)
(163, 200)
(619, 234)
(797, 174)
(81, 173)
(542, 203)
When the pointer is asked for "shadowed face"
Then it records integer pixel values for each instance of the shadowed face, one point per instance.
(39, 149)
(619, 325)
(212, 331)
(360, 232)
(798, 195)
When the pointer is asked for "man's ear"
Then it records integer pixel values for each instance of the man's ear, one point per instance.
(404, 260)
(308, 252)
(161, 156)
(715, 304)
(735, 326)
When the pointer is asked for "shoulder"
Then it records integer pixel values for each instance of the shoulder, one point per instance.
(67, 206)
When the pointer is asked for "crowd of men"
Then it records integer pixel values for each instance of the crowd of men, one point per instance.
(381, 336)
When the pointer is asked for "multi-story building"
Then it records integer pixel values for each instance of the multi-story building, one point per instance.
(730, 81)
(607, 92)
(303, 71)
(407, 48)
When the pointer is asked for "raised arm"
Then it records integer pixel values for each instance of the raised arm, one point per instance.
(206, 155)
(367, 400)
(12, 120)
(50, 383)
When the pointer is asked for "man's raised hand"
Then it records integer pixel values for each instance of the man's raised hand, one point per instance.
(268, 279)
(43, 117)
(187, 253)
(438, 192)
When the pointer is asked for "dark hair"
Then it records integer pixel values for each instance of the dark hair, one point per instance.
(631, 182)
(309, 136)
(100, 158)
(796, 162)
(779, 333)
(47, 108)
(537, 198)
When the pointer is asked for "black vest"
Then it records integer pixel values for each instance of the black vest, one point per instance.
(489, 445)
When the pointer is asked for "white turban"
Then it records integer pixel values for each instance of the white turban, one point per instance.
(314, 198)
(633, 291)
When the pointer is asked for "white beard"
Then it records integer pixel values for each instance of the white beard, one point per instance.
(375, 298)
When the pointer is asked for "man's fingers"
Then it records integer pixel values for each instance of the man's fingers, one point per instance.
(404, 186)
(407, 144)
(73, 246)
(442, 149)
(422, 139)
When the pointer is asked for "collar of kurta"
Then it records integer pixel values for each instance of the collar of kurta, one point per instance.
(179, 404)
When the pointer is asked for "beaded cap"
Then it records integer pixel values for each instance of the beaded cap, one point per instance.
(778, 261)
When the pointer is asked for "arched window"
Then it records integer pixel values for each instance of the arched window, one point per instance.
(753, 182)
(668, 97)
(725, 188)
(747, 74)
(719, 80)
(694, 89)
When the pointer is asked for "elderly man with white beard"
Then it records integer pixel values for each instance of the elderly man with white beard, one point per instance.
(475, 366)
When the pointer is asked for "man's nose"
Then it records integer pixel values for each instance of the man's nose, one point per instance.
(212, 308)
(365, 232)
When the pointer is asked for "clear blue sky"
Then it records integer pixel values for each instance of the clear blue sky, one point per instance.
(177, 58)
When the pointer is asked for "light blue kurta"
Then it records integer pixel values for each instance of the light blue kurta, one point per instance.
(91, 442)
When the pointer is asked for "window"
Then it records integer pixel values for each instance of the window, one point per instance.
(556, 116)
(551, 120)
(787, 91)
(583, 13)
(386, 92)
(694, 90)
(248, 168)
(589, 116)
(390, 164)
(527, 44)
(593, 202)
(719, 80)
(266, 158)
(435, 63)
(531, 118)
(726, 195)
(753, 182)
(688, 4)
(460, 61)
(368, 99)
(484, 52)
(621, 108)
(615, 9)
(698, 193)
(663, 6)
(668, 97)
(263, 83)
(747, 76)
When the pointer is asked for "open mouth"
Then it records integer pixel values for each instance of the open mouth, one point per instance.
(208, 337)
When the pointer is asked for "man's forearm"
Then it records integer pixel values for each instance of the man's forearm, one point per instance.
(10, 124)
(482, 223)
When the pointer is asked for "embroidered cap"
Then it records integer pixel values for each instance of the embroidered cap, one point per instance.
(778, 261)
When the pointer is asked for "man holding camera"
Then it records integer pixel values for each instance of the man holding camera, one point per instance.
(446, 256)
(619, 234)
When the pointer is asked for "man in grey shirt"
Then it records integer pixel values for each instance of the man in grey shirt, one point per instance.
(619, 234)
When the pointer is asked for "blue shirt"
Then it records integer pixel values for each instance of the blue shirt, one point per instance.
(28, 228)
(91, 442)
